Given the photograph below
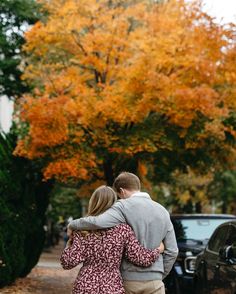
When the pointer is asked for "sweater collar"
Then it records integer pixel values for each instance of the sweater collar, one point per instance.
(141, 194)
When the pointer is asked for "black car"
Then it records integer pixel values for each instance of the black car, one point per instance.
(216, 265)
(192, 233)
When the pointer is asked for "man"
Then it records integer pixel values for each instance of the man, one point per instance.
(151, 224)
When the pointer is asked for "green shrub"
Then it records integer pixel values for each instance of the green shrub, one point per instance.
(23, 202)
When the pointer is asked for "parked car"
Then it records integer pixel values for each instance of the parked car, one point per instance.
(192, 233)
(216, 265)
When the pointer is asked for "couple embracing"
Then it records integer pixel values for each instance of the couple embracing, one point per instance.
(126, 246)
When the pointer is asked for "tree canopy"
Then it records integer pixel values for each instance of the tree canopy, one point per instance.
(120, 84)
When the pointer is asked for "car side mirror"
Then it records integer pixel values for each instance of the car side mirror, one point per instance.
(228, 253)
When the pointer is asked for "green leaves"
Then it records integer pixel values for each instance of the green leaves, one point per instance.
(15, 18)
(23, 200)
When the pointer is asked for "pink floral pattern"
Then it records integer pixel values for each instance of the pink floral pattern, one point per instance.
(101, 255)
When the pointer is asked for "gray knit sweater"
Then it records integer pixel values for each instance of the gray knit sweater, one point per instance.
(151, 224)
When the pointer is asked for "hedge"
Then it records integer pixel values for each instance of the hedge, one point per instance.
(24, 199)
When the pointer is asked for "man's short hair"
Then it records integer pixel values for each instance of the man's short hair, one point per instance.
(128, 181)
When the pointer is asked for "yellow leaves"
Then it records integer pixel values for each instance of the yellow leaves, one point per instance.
(200, 196)
(185, 197)
(72, 110)
(99, 66)
(24, 149)
(48, 126)
(64, 170)
(68, 167)
(215, 130)
(142, 169)
(191, 186)
(134, 147)
(189, 102)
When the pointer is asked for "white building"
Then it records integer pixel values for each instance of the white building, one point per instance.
(6, 111)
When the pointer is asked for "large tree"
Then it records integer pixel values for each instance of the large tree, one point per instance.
(119, 84)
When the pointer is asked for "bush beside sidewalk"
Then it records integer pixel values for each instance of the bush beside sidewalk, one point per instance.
(24, 199)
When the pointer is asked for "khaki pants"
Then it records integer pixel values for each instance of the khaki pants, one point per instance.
(144, 287)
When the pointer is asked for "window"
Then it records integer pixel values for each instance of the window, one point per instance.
(218, 240)
(197, 229)
(231, 239)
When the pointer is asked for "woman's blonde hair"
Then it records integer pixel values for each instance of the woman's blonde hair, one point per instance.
(102, 199)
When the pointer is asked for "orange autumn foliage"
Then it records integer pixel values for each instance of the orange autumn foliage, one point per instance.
(112, 77)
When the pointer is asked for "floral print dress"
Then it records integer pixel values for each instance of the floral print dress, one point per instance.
(101, 253)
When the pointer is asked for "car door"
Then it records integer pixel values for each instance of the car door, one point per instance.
(225, 273)
(211, 261)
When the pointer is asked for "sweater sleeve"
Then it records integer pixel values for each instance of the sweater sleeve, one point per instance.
(135, 252)
(110, 218)
(171, 250)
(74, 254)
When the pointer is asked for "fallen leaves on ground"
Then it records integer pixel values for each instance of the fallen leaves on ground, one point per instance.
(43, 280)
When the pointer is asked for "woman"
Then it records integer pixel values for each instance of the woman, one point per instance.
(101, 251)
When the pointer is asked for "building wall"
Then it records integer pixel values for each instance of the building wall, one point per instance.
(6, 111)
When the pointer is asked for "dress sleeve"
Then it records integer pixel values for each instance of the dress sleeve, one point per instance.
(74, 254)
(135, 252)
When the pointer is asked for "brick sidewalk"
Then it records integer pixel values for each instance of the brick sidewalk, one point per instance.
(46, 278)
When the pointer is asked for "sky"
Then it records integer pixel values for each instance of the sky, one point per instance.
(223, 10)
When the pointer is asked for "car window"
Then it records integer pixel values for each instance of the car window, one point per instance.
(231, 239)
(197, 229)
(218, 240)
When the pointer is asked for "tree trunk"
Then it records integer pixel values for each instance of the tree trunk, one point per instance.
(108, 171)
(224, 207)
(198, 207)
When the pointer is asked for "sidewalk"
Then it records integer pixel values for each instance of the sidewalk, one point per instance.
(46, 278)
